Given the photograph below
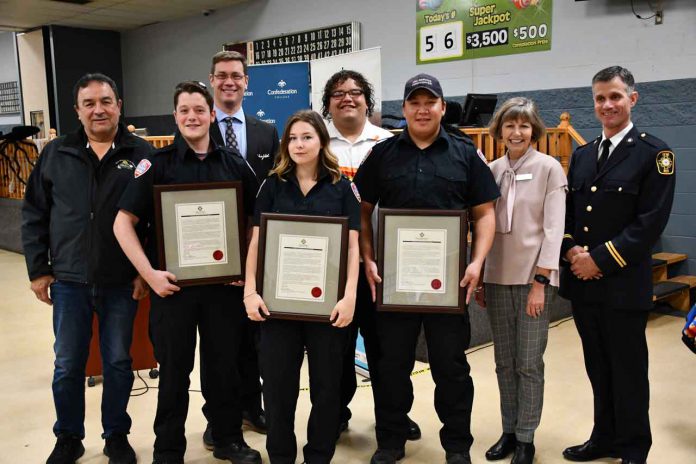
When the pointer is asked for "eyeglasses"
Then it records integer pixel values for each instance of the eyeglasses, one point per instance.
(340, 94)
(223, 77)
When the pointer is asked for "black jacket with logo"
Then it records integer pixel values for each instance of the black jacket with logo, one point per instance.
(70, 206)
(617, 215)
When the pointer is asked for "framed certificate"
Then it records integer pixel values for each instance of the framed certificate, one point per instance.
(422, 259)
(200, 231)
(301, 272)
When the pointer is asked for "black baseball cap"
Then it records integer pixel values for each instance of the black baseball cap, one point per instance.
(422, 81)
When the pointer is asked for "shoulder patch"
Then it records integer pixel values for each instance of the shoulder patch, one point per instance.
(665, 163)
(354, 188)
(142, 168)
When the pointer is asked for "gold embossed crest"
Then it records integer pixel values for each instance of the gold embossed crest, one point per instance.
(665, 163)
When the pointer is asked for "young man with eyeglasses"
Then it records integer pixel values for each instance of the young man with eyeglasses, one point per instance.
(347, 102)
(178, 315)
(257, 142)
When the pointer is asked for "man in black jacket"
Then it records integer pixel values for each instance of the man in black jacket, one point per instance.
(257, 142)
(69, 246)
(621, 191)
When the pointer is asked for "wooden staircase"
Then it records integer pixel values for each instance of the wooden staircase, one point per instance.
(675, 291)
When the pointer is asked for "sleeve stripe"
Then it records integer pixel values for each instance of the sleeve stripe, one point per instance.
(615, 254)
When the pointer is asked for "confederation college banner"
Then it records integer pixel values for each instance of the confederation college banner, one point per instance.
(276, 91)
(449, 30)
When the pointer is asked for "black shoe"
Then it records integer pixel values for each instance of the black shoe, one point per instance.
(502, 448)
(414, 432)
(238, 453)
(118, 450)
(68, 449)
(457, 458)
(387, 456)
(632, 461)
(208, 438)
(167, 461)
(588, 451)
(255, 421)
(524, 453)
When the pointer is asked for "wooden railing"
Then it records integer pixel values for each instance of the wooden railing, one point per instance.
(159, 141)
(558, 143)
(16, 164)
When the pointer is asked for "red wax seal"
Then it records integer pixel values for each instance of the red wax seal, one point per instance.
(217, 255)
(316, 292)
(436, 284)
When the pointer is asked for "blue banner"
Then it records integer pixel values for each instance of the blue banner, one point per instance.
(276, 91)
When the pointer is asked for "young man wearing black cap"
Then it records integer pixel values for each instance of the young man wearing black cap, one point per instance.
(425, 167)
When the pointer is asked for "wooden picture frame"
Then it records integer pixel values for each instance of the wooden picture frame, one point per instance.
(421, 260)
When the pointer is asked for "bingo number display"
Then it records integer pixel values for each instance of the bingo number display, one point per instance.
(441, 41)
(301, 46)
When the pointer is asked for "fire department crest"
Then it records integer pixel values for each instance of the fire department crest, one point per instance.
(665, 163)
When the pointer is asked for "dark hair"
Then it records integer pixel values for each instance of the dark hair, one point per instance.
(284, 163)
(607, 74)
(228, 55)
(517, 108)
(88, 78)
(192, 87)
(339, 78)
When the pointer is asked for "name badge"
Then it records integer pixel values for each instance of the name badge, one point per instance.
(523, 176)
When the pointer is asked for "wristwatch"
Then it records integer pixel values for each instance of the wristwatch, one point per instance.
(542, 279)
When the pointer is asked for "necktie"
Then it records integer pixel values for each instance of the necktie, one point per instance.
(230, 136)
(604, 154)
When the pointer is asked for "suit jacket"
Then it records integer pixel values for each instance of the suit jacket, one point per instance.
(262, 144)
(617, 214)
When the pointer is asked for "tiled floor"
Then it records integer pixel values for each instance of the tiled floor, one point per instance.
(26, 407)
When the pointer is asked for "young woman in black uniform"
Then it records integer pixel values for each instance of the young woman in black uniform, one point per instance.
(306, 180)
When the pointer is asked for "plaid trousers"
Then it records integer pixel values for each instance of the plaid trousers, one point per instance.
(519, 344)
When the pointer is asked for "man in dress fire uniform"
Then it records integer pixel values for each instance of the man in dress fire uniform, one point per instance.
(621, 191)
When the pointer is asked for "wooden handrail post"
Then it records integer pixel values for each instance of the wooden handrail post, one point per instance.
(565, 142)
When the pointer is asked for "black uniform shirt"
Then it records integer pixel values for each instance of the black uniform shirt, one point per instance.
(324, 199)
(178, 164)
(448, 174)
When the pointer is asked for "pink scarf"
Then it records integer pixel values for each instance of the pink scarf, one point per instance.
(506, 203)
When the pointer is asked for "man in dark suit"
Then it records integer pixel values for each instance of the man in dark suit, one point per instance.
(257, 142)
(621, 191)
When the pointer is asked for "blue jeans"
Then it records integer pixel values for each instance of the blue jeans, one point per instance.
(73, 306)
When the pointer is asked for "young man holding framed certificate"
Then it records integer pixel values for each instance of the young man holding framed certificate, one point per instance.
(425, 167)
(178, 313)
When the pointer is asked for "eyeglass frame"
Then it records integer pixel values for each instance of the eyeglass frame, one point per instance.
(341, 94)
(235, 77)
